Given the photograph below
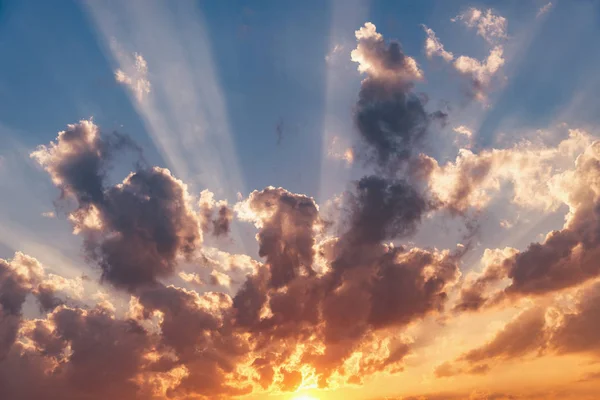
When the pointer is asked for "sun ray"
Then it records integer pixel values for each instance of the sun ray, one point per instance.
(184, 110)
(337, 138)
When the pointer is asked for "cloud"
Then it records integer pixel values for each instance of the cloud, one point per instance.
(577, 329)
(337, 151)
(135, 76)
(219, 224)
(334, 53)
(79, 159)
(521, 336)
(550, 328)
(382, 61)
(531, 169)
(383, 209)
(463, 130)
(544, 9)
(480, 72)
(18, 278)
(489, 26)
(566, 257)
(433, 46)
(220, 279)
(133, 230)
(390, 118)
(191, 278)
(286, 237)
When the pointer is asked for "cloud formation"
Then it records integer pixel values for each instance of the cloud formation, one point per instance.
(480, 72)
(566, 257)
(135, 76)
(545, 9)
(489, 26)
(391, 119)
(325, 303)
(286, 315)
(133, 230)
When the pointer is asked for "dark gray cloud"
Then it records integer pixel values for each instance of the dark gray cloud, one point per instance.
(79, 159)
(287, 235)
(134, 230)
(145, 224)
(391, 119)
(383, 209)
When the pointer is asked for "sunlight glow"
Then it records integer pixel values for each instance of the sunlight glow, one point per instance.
(304, 397)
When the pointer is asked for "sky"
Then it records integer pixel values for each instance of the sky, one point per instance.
(316, 200)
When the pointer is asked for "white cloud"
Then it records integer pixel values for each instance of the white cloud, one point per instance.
(481, 72)
(135, 76)
(373, 57)
(464, 136)
(545, 9)
(463, 130)
(433, 46)
(537, 174)
(338, 151)
(49, 214)
(489, 26)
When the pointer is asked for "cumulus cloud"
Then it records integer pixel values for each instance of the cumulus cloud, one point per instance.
(473, 178)
(390, 118)
(135, 76)
(379, 60)
(138, 230)
(566, 257)
(287, 232)
(133, 230)
(18, 278)
(79, 159)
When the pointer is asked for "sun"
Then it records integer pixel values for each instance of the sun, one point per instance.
(304, 397)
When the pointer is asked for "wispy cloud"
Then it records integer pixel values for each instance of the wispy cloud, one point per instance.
(135, 76)
(489, 26)
(544, 9)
